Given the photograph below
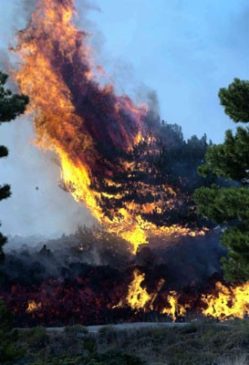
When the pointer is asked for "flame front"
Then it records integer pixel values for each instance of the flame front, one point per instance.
(139, 299)
(227, 301)
(223, 302)
(96, 136)
(93, 131)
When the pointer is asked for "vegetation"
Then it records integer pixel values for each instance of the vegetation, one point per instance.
(10, 349)
(179, 159)
(205, 343)
(229, 206)
(11, 106)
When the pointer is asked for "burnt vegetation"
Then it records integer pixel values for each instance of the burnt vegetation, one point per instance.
(81, 278)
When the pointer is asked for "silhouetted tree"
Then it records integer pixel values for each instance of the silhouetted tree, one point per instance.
(10, 349)
(11, 106)
(229, 206)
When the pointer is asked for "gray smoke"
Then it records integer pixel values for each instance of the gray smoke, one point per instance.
(38, 205)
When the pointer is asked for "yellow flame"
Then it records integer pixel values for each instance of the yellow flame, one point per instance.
(58, 126)
(227, 302)
(137, 297)
(174, 309)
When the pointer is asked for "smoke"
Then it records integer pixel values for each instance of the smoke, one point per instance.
(94, 267)
(182, 262)
(26, 7)
(37, 205)
(185, 263)
(83, 277)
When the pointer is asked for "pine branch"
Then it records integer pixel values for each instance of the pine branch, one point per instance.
(5, 192)
(3, 151)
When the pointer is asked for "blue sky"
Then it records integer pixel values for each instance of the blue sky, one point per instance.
(184, 50)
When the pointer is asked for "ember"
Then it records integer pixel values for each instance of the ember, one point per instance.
(32, 306)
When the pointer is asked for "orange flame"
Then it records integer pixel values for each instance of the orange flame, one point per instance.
(33, 306)
(86, 125)
(137, 297)
(224, 302)
(227, 301)
(174, 309)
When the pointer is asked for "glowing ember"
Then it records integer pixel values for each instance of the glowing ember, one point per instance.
(33, 306)
(95, 133)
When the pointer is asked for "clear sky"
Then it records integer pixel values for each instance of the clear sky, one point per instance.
(184, 50)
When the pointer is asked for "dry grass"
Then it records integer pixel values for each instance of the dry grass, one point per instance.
(239, 360)
(200, 343)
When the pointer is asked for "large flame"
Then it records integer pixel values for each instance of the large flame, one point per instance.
(93, 131)
(227, 301)
(138, 297)
(223, 302)
(96, 136)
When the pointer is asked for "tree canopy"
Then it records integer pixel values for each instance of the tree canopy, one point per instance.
(11, 106)
(229, 205)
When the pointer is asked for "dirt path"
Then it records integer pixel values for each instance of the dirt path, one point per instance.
(125, 326)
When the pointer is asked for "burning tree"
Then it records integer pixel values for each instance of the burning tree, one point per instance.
(106, 144)
(230, 205)
(11, 106)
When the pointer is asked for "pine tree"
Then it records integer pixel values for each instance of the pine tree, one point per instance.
(11, 106)
(229, 206)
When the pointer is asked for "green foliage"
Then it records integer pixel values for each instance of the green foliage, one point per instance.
(37, 338)
(108, 358)
(11, 106)
(236, 264)
(230, 159)
(224, 205)
(3, 240)
(235, 100)
(4, 192)
(10, 350)
(115, 357)
(229, 206)
(3, 151)
(205, 342)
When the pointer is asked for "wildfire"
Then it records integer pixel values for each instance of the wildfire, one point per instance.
(33, 306)
(108, 153)
(224, 302)
(174, 309)
(227, 302)
(94, 132)
(97, 136)
(138, 297)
